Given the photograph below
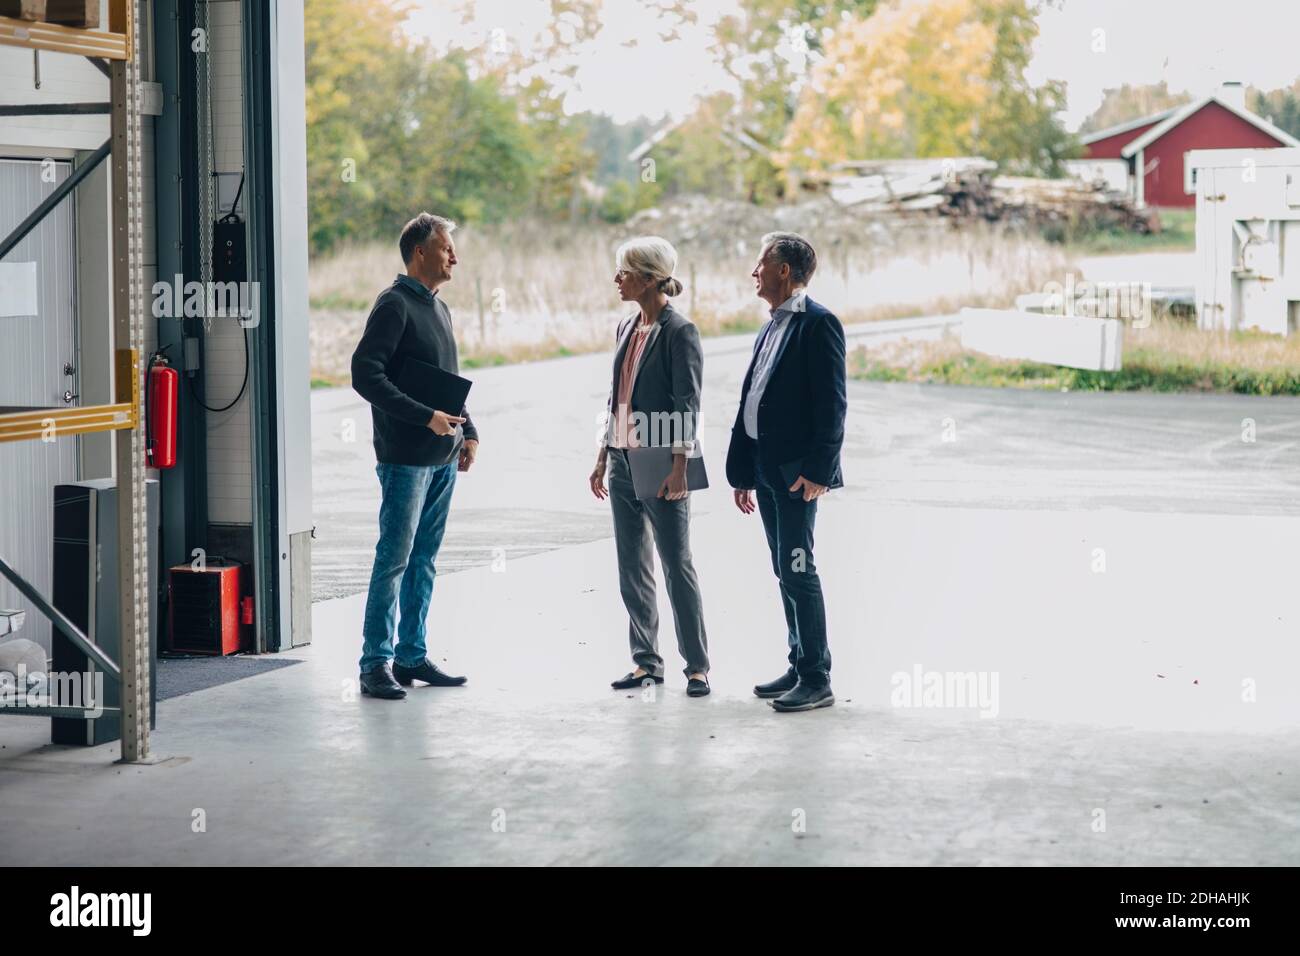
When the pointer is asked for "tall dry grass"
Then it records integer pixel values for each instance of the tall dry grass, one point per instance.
(528, 290)
(1169, 355)
(1181, 339)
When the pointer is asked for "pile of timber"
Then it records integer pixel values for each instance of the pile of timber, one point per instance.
(965, 187)
(712, 226)
(68, 13)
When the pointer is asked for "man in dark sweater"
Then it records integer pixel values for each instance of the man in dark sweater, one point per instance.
(420, 450)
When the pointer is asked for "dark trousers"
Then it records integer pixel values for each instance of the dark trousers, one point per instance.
(788, 522)
(640, 528)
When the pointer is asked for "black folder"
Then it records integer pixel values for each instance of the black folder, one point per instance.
(429, 385)
(650, 466)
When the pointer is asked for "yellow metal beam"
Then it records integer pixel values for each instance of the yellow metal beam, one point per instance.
(126, 377)
(36, 35)
(48, 424)
(121, 20)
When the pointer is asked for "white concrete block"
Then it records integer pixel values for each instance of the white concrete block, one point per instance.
(1071, 340)
(11, 621)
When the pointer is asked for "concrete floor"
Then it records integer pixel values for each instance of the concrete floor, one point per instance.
(1119, 697)
(531, 495)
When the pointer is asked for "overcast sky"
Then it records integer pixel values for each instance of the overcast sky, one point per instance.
(1194, 45)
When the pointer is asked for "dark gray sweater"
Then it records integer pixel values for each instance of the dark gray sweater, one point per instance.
(407, 322)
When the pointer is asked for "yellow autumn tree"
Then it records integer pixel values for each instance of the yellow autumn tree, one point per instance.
(925, 78)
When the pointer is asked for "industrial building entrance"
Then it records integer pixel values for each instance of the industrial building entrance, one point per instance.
(157, 480)
(1060, 613)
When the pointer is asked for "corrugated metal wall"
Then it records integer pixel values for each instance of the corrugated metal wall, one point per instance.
(33, 350)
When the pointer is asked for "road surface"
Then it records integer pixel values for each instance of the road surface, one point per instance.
(906, 445)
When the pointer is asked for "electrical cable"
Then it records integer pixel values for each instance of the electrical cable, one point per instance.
(242, 387)
(233, 216)
(211, 200)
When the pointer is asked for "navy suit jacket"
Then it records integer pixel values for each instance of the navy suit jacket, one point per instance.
(801, 413)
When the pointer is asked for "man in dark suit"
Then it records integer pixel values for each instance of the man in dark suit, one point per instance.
(785, 452)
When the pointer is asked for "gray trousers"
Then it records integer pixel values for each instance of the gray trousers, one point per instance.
(669, 522)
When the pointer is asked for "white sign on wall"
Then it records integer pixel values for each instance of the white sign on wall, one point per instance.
(17, 288)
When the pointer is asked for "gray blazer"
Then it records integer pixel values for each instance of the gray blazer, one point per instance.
(667, 389)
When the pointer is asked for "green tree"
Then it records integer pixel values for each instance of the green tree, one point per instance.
(711, 152)
(456, 143)
(611, 142)
(1280, 107)
(537, 77)
(1019, 127)
(350, 45)
(392, 129)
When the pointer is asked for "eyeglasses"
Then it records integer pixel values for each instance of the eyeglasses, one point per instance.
(624, 274)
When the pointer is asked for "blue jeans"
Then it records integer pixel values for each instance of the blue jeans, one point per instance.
(412, 516)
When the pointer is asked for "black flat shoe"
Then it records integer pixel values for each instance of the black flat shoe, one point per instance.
(379, 683)
(425, 671)
(630, 680)
(782, 685)
(697, 688)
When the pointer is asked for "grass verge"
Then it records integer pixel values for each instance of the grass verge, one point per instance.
(1177, 234)
(1170, 356)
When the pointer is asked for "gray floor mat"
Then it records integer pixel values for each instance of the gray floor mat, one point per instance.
(185, 675)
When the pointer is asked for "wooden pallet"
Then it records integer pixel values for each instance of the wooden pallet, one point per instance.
(68, 13)
(34, 34)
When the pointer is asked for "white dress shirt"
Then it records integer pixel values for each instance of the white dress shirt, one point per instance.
(773, 335)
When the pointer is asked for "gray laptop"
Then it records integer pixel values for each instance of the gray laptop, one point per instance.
(650, 466)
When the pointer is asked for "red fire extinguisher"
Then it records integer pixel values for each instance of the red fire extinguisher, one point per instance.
(163, 392)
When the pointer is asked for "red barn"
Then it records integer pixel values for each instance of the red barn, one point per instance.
(1155, 146)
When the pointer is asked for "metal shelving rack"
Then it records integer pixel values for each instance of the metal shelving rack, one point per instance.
(117, 46)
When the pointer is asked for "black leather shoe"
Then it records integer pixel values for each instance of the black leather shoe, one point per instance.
(697, 688)
(776, 688)
(378, 682)
(804, 697)
(630, 680)
(427, 672)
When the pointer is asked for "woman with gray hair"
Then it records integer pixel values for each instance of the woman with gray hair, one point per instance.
(658, 366)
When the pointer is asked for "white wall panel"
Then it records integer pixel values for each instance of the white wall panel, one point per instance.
(293, 377)
(230, 472)
(64, 79)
